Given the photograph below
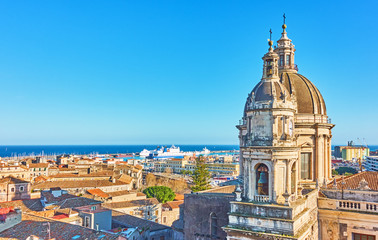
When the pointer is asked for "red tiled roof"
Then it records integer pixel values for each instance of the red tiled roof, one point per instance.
(12, 180)
(77, 184)
(118, 193)
(133, 203)
(98, 192)
(33, 225)
(38, 165)
(179, 197)
(173, 204)
(353, 181)
(125, 178)
(41, 179)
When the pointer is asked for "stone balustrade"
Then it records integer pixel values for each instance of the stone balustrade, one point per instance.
(261, 198)
(357, 206)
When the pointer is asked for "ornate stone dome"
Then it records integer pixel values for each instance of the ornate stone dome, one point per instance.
(268, 91)
(309, 100)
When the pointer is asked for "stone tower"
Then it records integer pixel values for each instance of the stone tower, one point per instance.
(285, 152)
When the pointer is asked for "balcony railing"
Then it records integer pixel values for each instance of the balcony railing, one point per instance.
(357, 206)
(314, 119)
(261, 198)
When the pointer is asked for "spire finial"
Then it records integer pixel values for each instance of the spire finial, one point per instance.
(284, 22)
(270, 38)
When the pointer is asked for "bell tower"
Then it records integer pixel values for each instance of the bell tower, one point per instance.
(284, 153)
(267, 139)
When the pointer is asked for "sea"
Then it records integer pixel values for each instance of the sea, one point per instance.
(38, 150)
(46, 150)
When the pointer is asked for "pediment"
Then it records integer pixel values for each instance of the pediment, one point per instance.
(306, 145)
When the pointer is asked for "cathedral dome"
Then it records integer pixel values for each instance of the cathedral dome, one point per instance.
(309, 100)
(268, 91)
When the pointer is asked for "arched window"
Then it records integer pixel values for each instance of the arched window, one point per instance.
(213, 224)
(262, 180)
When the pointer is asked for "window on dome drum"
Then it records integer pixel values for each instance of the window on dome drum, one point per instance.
(305, 165)
(359, 236)
(262, 180)
(288, 60)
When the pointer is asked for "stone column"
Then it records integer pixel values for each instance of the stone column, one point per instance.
(329, 157)
(250, 180)
(288, 177)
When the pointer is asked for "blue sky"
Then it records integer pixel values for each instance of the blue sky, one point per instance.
(162, 72)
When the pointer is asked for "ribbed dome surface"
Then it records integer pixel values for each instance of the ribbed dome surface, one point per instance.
(266, 91)
(309, 99)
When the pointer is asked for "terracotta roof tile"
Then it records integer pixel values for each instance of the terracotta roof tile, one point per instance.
(98, 192)
(352, 182)
(38, 165)
(133, 203)
(24, 205)
(118, 193)
(125, 178)
(12, 180)
(34, 225)
(77, 184)
(173, 204)
(179, 197)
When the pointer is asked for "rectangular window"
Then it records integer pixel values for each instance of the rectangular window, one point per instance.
(281, 60)
(305, 165)
(358, 236)
(287, 59)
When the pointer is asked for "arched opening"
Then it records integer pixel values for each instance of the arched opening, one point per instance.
(213, 225)
(262, 180)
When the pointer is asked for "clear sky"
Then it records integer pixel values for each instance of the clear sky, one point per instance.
(162, 72)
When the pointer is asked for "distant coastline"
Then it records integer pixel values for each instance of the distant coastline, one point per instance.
(27, 150)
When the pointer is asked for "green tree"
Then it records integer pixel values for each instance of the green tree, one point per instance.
(201, 175)
(161, 193)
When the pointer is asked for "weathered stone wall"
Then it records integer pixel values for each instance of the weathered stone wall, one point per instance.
(355, 195)
(197, 210)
